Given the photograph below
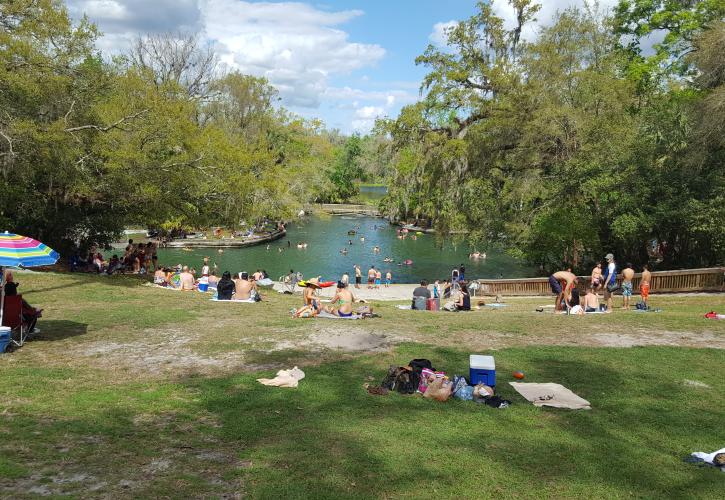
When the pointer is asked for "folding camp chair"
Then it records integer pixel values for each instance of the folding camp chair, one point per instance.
(13, 317)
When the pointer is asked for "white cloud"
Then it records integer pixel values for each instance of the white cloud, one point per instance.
(294, 45)
(367, 112)
(545, 16)
(438, 36)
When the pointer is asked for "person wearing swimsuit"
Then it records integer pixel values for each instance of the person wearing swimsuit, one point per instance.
(342, 302)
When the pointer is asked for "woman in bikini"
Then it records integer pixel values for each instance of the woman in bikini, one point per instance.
(342, 302)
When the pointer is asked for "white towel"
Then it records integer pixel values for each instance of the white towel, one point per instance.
(284, 378)
(550, 394)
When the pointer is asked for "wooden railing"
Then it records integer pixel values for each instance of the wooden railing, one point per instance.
(688, 280)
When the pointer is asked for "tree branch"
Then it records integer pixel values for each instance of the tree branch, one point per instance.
(109, 127)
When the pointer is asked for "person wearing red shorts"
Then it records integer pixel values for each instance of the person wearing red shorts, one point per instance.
(644, 284)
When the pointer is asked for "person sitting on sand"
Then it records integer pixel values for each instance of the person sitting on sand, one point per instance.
(243, 287)
(464, 299)
(421, 294)
(187, 280)
(160, 277)
(591, 300)
(311, 305)
(561, 283)
(225, 287)
(342, 301)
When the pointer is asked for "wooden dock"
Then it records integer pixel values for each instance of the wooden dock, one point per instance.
(226, 242)
(679, 281)
(348, 209)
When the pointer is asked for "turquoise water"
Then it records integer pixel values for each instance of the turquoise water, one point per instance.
(325, 236)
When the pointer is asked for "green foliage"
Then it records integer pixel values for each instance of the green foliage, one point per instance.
(346, 171)
(156, 138)
(557, 149)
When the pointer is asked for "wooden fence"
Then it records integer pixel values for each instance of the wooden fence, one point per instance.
(688, 280)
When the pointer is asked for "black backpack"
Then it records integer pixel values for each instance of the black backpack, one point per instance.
(401, 379)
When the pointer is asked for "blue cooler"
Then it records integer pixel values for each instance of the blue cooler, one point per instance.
(482, 370)
(203, 287)
(4, 337)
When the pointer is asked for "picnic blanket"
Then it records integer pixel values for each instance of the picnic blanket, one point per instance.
(247, 301)
(327, 315)
(550, 394)
(284, 378)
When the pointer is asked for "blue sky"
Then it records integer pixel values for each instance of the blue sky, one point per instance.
(344, 61)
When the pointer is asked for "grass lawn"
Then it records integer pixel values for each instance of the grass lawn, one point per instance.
(132, 391)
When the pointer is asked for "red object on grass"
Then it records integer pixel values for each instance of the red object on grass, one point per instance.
(518, 375)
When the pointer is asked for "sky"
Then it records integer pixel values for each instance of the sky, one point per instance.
(346, 62)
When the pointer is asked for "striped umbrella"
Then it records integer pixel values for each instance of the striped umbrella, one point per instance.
(16, 250)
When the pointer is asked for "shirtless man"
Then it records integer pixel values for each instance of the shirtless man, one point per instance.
(627, 275)
(243, 287)
(342, 301)
(561, 283)
(591, 300)
(257, 275)
(186, 279)
(371, 277)
(644, 284)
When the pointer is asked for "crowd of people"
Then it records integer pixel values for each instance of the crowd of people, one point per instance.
(564, 284)
(137, 258)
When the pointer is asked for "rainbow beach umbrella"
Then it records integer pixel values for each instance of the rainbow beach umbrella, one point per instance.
(22, 251)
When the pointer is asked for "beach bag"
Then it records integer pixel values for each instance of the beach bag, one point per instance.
(401, 379)
(450, 306)
(425, 376)
(439, 389)
(612, 287)
(419, 363)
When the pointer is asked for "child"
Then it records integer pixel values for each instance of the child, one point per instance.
(388, 279)
(644, 285)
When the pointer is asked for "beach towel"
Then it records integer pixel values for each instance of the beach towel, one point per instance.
(248, 301)
(496, 305)
(550, 394)
(327, 315)
(404, 308)
(265, 282)
(709, 458)
(284, 378)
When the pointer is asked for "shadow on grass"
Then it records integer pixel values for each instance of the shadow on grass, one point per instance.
(80, 279)
(51, 330)
(329, 438)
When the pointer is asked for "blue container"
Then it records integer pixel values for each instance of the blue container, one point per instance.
(203, 287)
(4, 337)
(482, 370)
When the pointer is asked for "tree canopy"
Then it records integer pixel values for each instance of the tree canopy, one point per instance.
(575, 144)
(158, 137)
